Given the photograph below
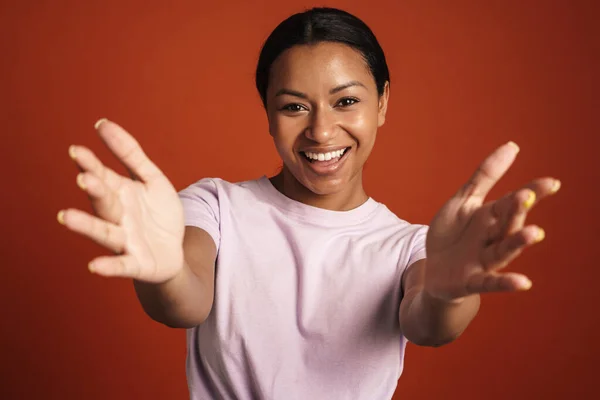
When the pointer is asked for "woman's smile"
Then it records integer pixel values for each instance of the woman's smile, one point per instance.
(324, 109)
(326, 161)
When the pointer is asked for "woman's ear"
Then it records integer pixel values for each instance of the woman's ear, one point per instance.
(268, 121)
(383, 104)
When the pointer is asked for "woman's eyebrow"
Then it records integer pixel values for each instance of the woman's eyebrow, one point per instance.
(301, 95)
(346, 86)
(291, 92)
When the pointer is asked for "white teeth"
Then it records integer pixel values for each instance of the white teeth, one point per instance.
(325, 156)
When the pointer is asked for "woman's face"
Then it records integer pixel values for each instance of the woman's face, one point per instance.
(324, 111)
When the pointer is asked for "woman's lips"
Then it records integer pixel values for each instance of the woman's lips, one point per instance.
(326, 167)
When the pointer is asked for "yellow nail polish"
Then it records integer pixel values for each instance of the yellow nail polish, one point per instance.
(99, 122)
(80, 182)
(516, 146)
(540, 236)
(61, 217)
(72, 152)
(530, 200)
(556, 186)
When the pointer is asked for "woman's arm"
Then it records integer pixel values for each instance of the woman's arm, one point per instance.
(185, 300)
(427, 321)
(469, 243)
(140, 218)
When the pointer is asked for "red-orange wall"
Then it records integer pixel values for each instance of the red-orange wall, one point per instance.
(466, 76)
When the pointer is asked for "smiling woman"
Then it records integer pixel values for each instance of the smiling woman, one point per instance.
(324, 81)
(301, 286)
(325, 131)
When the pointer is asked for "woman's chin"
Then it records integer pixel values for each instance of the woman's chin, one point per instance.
(324, 188)
(324, 185)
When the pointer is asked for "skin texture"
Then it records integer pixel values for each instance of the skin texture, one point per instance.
(140, 219)
(311, 106)
(306, 112)
(469, 243)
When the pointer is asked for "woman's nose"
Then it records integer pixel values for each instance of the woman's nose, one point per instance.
(322, 127)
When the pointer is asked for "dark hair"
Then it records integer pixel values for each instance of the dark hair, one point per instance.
(322, 25)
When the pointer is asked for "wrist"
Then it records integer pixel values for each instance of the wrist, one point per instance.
(166, 275)
(434, 299)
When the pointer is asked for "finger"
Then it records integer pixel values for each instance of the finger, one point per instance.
(105, 202)
(511, 210)
(496, 282)
(498, 254)
(123, 266)
(128, 150)
(87, 161)
(100, 231)
(490, 171)
(92, 185)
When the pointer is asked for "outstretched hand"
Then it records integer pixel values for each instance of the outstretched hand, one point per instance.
(139, 218)
(470, 241)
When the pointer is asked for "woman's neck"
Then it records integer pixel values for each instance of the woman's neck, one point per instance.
(350, 197)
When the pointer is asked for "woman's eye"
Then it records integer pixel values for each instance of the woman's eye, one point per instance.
(347, 101)
(293, 107)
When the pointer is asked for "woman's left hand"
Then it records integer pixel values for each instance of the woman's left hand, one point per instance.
(471, 241)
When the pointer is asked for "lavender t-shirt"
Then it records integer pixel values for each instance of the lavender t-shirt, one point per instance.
(306, 299)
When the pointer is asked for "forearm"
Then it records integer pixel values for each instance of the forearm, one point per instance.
(428, 321)
(182, 302)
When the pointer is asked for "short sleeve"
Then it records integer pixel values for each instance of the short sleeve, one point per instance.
(417, 249)
(201, 209)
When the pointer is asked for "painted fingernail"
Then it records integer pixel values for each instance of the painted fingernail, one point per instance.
(91, 267)
(556, 186)
(513, 144)
(99, 122)
(540, 235)
(72, 152)
(80, 182)
(61, 217)
(525, 284)
(530, 200)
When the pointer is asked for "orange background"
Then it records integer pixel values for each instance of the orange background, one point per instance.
(466, 76)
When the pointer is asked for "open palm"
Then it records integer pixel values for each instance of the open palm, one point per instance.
(139, 218)
(470, 241)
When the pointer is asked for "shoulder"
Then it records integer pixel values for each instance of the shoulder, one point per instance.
(406, 239)
(387, 220)
(219, 187)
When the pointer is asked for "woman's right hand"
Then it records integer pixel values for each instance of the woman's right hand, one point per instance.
(140, 218)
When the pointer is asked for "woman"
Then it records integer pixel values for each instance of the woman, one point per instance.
(301, 286)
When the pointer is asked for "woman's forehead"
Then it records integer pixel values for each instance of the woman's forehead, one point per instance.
(321, 64)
